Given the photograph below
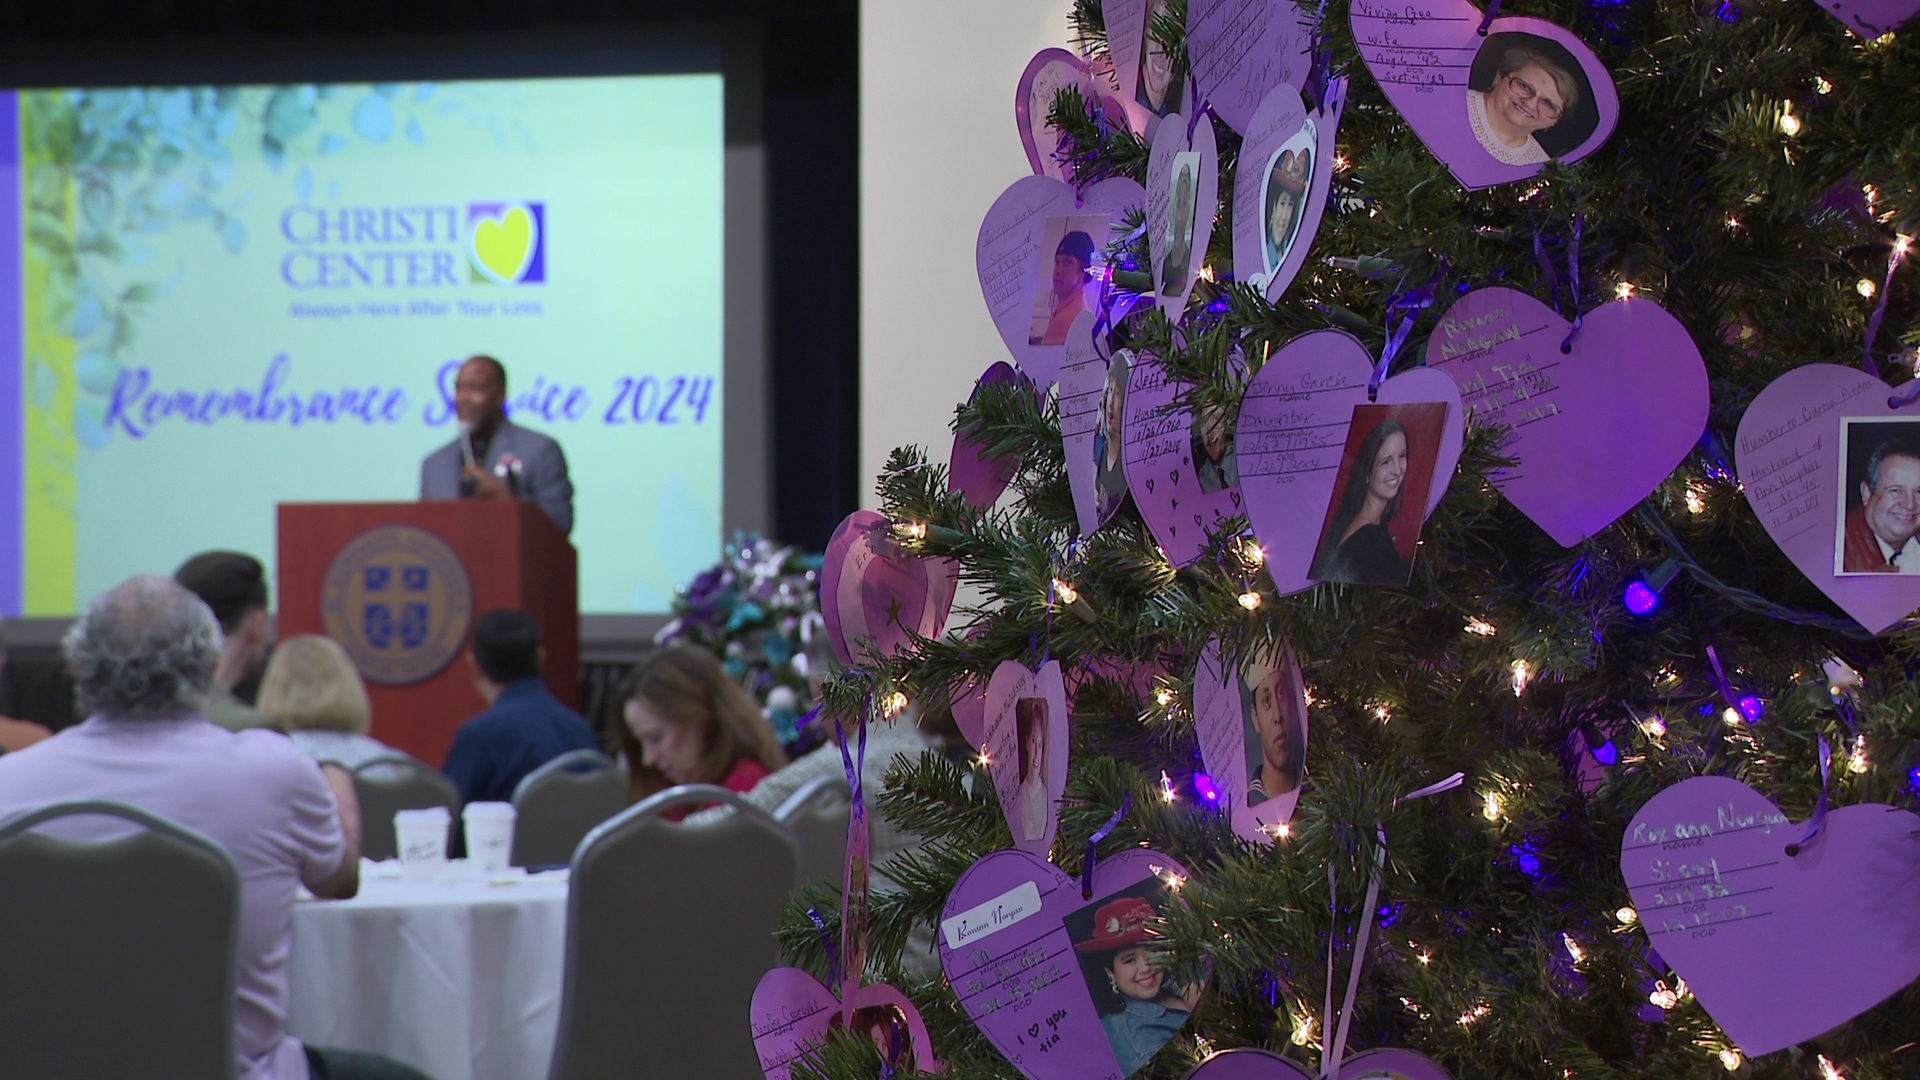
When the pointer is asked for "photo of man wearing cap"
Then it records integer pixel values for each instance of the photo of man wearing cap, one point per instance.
(1062, 294)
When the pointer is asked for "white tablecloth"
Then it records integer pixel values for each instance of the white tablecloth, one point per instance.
(459, 977)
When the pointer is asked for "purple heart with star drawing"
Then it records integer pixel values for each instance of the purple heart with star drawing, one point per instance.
(1740, 904)
(1054, 977)
(876, 597)
(1181, 465)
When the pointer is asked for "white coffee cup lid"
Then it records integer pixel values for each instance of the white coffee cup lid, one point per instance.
(487, 809)
(438, 814)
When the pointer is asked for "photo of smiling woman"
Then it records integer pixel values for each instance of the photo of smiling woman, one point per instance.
(1030, 734)
(1140, 1004)
(1380, 495)
(1109, 479)
(1180, 218)
(1528, 100)
(1156, 88)
(1284, 200)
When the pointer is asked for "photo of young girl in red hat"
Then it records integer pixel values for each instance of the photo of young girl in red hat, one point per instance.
(1140, 1004)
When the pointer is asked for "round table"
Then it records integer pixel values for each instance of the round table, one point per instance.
(457, 975)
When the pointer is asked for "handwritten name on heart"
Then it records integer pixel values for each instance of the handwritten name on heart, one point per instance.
(1010, 942)
(1181, 468)
(1252, 725)
(977, 476)
(1243, 50)
(1741, 920)
(1183, 191)
(1024, 739)
(1293, 429)
(1009, 260)
(1633, 384)
(875, 597)
(792, 1015)
(1456, 89)
(1280, 192)
(1787, 452)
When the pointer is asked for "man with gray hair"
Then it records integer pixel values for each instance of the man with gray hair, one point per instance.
(142, 658)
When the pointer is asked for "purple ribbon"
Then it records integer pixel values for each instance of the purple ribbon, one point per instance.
(1402, 311)
(1493, 12)
(826, 942)
(1205, 109)
(1880, 313)
(1321, 71)
(1819, 817)
(1720, 682)
(855, 784)
(1093, 848)
(1573, 280)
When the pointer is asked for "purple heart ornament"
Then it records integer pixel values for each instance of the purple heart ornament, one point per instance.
(1789, 457)
(1280, 194)
(1872, 18)
(875, 597)
(977, 477)
(1047, 74)
(1293, 429)
(1633, 384)
(1243, 50)
(1253, 743)
(1093, 394)
(1746, 924)
(1451, 84)
(1033, 222)
(792, 1013)
(1246, 1063)
(1159, 436)
(1021, 947)
(1183, 190)
(1024, 739)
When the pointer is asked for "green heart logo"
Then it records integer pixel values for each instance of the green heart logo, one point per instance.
(504, 244)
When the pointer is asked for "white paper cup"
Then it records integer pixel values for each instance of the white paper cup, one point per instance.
(489, 828)
(421, 836)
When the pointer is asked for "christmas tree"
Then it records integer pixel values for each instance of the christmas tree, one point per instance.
(1758, 186)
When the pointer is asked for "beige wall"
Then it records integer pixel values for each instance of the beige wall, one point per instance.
(938, 145)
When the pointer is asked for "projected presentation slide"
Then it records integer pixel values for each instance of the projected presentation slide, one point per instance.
(217, 299)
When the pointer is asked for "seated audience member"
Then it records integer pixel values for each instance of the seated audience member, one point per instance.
(235, 587)
(19, 734)
(143, 658)
(686, 722)
(524, 727)
(312, 687)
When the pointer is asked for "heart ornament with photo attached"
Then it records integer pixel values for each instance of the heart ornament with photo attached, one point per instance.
(1597, 424)
(1032, 959)
(1143, 70)
(1252, 726)
(1093, 389)
(979, 478)
(1017, 276)
(1494, 108)
(1180, 466)
(1183, 190)
(1279, 197)
(1780, 936)
(1048, 73)
(1241, 51)
(793, 1014)
(1293, 432)
(874, 597)
(1022, 727)
(1789, 455)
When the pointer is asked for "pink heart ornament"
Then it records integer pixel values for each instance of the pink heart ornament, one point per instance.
(1243, 50)
(1278, 134)
(1633, 384)
(1009, 259)
(1232, 735)
(875, 597)
(1250, 1064)
(1293, 430)
(1744, 923)
(1424, 55)
(1165, 454)
(978, 478)
(1088, 404)
(1024, 739)
(1183, 189)
(1008, 952)
(1788, 457)
(1872, 18)
(792, 1014)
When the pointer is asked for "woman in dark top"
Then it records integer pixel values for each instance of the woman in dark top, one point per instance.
(1358, 546)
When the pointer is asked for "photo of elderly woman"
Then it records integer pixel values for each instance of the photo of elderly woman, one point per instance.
(1380, 495)
(1528, 99)
(1156, 88)
(1140, 1005)
(1283, 197)
(1214, 464)
(1181, 195)
(1109, 479)
(1065, 286)
(1273, 707)
(1030, 732)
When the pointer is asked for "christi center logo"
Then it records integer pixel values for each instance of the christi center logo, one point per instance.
(507, 242)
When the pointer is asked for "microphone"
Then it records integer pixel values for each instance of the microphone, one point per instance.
(466, 442)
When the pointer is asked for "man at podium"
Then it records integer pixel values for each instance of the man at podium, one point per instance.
(492, 457)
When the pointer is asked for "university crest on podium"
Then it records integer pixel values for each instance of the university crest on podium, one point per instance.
(400, 601)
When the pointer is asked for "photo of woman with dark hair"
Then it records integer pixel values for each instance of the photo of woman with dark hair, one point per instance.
(1140, 1005)
(1030, 736)
(1520, 89)
(1156, 88)
(1384, 473)
(1285, 202)
(1110, 480)
(1180, 211)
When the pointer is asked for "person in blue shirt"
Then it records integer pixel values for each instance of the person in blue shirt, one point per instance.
(1140, 1006)
(524, 726)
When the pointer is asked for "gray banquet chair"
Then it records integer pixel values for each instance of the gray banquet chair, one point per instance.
(817, 814)
(557, 804)
(118, 958)
(389, 784)
(669, 929)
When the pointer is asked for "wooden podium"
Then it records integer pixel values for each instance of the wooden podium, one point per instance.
(400, 585)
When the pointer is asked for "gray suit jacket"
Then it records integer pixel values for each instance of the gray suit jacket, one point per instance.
(543, 470)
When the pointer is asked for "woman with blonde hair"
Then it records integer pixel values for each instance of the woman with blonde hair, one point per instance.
(686, 722)
(312, 687)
